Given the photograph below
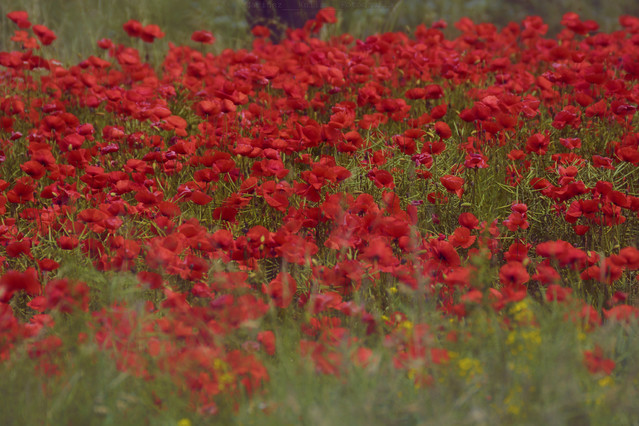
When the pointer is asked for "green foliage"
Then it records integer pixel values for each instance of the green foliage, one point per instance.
(530, 373)
(81, 23)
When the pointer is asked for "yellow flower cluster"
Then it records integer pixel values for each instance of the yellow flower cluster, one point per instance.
(521, 312)
(514, 401)
(524, 341)
(224, 376)
(469, 367)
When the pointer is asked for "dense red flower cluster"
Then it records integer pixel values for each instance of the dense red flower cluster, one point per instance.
(203, 178)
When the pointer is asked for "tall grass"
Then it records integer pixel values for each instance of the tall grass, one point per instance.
(79, 24)
(530, 373)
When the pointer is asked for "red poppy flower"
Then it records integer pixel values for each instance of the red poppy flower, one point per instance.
(200, 198)
(267, 340)
(475, 161)
(439, 111)
(558, 293)
(572, 21)
(631, 257)
(378, 250)
(570, 143)
(433, 147)
(22, 192)
(16, 248)
(281, 289)
(596, 363)
(13, 281)
(538, 144)
(563, 251)
(437, 198)
(468, 220)
(415, 93)
(92, 216)
(622, 313)
(381, 179)
(20, 17)
(33, 169)
(462, 238)
(105, 43)
(443, 130)
(133, 28)
(150, 33)
(204, 37)
(67, 243)
(27, 43)
(326, 16)
(513, 273)
(261, 31)
(45, 35)
(516, 220)
(433, 91)
(517, 252)
(629, 154)
(608, 274)
(444, 253)
(48, 264)
(453, 184)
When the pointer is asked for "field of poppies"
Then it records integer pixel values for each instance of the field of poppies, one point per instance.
(405, 229)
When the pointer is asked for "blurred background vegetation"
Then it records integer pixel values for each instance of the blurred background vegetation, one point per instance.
(80, 23)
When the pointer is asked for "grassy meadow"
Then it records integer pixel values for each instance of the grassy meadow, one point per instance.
(398, 215)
